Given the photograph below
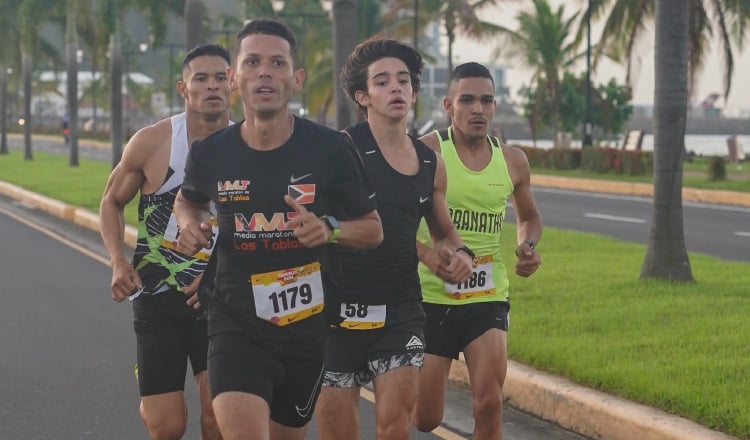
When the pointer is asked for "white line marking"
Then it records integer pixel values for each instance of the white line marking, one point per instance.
(614, 218)
(742, 234)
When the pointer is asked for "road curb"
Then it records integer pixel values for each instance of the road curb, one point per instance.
(586, 411)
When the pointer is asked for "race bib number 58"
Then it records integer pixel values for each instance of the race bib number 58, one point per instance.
(289, 295)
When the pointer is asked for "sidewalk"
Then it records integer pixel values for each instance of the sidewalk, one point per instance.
(585, 411)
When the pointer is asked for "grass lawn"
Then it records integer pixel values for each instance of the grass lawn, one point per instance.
(585, 315)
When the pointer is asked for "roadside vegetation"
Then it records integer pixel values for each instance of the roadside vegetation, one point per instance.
(585, 315)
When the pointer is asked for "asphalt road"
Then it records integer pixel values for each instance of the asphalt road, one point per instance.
(718, 230)
(66, 370)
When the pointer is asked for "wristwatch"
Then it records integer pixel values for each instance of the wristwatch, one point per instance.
(467, 251)
(333, 225)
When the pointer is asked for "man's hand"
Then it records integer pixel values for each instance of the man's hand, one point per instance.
(193, 237)
(125, 281)
(191, 290)
(310, 230)
(528, 260)
(455, 267)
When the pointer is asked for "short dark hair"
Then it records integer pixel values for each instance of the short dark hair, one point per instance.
(470, 70)
(206, 49)
(354, 73)
(268, 27)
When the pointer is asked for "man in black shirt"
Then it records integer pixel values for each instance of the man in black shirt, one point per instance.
(284, 189)
(378, 333)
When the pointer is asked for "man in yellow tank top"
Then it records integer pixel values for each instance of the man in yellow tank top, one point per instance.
(472, 317)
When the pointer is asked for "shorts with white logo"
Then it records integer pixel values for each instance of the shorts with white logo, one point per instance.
(451, 328)
(355, 357)
(287, 375)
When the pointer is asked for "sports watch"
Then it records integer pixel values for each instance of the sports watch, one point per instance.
(333, 225)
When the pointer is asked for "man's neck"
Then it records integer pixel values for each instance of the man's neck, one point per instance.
(470, 143)
(267, 133)
(199, 126)
(388, 133)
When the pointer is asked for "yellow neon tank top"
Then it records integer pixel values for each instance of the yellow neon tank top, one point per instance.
(477, 201)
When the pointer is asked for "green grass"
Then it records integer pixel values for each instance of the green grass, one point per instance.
(50, 175)
(682, 347)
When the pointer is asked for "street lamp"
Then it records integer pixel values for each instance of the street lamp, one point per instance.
(278, 6)
(587, 141)
(4, 74)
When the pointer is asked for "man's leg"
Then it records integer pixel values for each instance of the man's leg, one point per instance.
(337, 413)
(433, 381)
(165, 415)
(486, 360)
(242, 416)
(281, 432)
(395, 399)
(209, 427)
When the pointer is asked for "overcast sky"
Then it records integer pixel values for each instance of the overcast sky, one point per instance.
(709, 81)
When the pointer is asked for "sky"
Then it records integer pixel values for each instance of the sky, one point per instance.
(710, 79)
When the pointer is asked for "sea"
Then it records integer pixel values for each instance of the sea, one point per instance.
(698, 144)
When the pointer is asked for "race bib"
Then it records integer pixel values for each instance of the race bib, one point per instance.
(362, 316)
(481, 282)
(289, 295)
(173, 231)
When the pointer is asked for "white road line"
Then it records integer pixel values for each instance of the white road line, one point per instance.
(742, 234)
(614, 218)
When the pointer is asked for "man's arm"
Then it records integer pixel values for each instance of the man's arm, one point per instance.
(126, 179)
(455, 265)
(528, 220)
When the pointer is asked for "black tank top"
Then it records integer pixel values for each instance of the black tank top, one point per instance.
(388, 273)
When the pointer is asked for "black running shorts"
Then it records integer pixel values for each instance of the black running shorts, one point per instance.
(451, 328)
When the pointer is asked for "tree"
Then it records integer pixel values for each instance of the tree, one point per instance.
(71, 52)
(544, 43)
(627, 21)
(195, 23)
(344, 41)
(666, 254)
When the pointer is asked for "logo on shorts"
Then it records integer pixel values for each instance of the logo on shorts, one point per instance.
(414, 343)
(305, 411)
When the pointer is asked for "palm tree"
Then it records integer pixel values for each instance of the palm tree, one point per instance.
(627, 21)
(666, 255)
(195, 20)
(544, 43)
(8, 60)
(71, 51)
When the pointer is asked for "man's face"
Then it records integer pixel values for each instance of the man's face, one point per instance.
(389, 90)
(205, 86)
(265, 74)
(471, 104)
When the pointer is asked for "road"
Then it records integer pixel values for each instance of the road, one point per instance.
(69, 350)
(718, 230)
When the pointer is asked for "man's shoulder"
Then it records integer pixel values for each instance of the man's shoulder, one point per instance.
(152, 137)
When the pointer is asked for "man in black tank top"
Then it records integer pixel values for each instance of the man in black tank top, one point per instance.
(285, 190)
(376, 332)
(169, 324)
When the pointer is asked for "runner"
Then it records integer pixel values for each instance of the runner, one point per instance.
(169, 327)
(378, 333)
(285, 190)
(473, 316)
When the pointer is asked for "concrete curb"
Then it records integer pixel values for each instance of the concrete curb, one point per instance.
(589, 412)
(75, 214)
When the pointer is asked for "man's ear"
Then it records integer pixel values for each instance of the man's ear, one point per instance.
(361, 97)
(180, 88)
(299, 79)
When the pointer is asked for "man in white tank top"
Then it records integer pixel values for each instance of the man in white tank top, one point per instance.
(162, 283)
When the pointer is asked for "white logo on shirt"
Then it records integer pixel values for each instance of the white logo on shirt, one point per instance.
(297, 179)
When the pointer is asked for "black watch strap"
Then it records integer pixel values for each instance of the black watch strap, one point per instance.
(468, 251)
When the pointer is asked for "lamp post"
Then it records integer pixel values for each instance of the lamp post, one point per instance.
(278, 6)
(4, 73)
(415, 121)
(587, 141)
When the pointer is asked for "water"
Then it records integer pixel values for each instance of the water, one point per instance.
(700, 144)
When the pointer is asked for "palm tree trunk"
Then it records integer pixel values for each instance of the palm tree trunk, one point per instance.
(71, 49)
(26, 67)
(666, 255)
(194, 13)
(344, 40)
(4, 110)
(115, 95)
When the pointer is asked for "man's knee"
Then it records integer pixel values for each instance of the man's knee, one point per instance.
(488, 405)
(162, 427)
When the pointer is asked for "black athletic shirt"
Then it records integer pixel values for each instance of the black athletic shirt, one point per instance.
(388, 273)
(319, 168)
